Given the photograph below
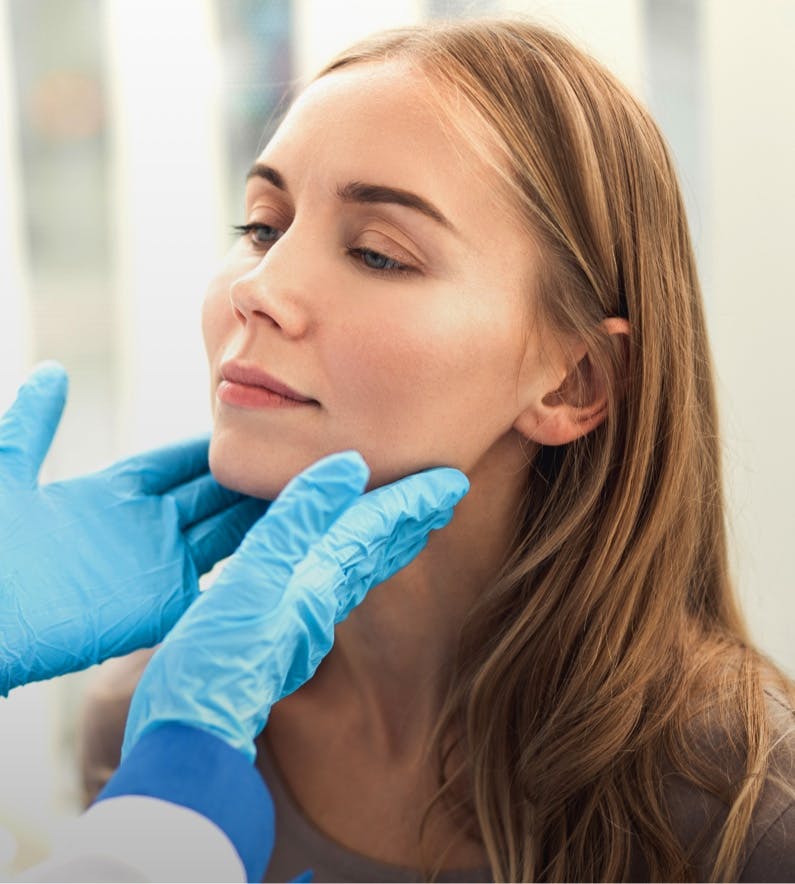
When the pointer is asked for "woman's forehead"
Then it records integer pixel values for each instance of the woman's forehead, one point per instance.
(384, 123)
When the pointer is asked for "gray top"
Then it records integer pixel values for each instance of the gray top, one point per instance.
(301, 846)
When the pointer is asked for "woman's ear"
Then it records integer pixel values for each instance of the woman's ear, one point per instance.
(576, 406)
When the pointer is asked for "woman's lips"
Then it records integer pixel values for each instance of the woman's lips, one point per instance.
(250, 396)
(249, 387)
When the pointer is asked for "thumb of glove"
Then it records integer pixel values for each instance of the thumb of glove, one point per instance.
(28, 427)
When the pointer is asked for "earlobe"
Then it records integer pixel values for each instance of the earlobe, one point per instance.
(579, 404)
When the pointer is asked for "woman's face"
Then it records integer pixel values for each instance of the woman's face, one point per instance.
(381, 278)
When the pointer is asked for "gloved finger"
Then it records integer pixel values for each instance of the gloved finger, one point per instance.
(28, 427)
(201, 498)
(303, 512)
(387, 527)
(163, 469)
(384, 560)
(219, 535)
(385, 512)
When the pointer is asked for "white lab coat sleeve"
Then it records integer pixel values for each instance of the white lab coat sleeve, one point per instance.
(137, 838)
(183, 806)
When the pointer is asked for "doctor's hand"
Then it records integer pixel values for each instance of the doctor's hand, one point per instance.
(260, 631)
(99, 566)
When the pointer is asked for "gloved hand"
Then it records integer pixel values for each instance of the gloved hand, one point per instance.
(99, 566)
(261, 630)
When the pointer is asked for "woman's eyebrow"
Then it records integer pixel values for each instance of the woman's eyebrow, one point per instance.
(260, 170)
(359, 192)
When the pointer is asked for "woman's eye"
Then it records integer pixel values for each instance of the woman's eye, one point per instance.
(259, 234)
(380, 263)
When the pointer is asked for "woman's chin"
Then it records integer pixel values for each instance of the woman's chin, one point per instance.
(248, 464)
(251, 470)
(232, 479)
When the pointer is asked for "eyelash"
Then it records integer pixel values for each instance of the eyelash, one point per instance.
(398, 270)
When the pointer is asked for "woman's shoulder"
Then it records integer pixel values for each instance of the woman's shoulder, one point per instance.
(780, 712)
(770, 846)
(767, 849)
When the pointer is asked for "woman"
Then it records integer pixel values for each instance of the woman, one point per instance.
(465, 245)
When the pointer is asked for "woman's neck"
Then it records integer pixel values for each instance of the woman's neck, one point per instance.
(391, 662)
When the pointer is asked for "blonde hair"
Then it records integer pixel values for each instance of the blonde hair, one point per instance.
(585, 669)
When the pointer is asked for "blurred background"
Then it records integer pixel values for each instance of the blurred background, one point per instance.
(126, 130)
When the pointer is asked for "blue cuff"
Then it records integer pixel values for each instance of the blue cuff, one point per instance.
(192, 768)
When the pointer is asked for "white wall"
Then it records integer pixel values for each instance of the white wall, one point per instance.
(14, 319)
(167, 183)
(751, 129)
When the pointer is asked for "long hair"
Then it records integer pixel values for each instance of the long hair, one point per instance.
(587, 664)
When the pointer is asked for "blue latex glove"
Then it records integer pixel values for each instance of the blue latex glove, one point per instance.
(262, 629)
(102, 565)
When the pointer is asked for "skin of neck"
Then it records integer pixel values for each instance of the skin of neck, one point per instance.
(391, 659)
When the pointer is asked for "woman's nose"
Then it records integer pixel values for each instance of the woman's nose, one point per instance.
(273, 293)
